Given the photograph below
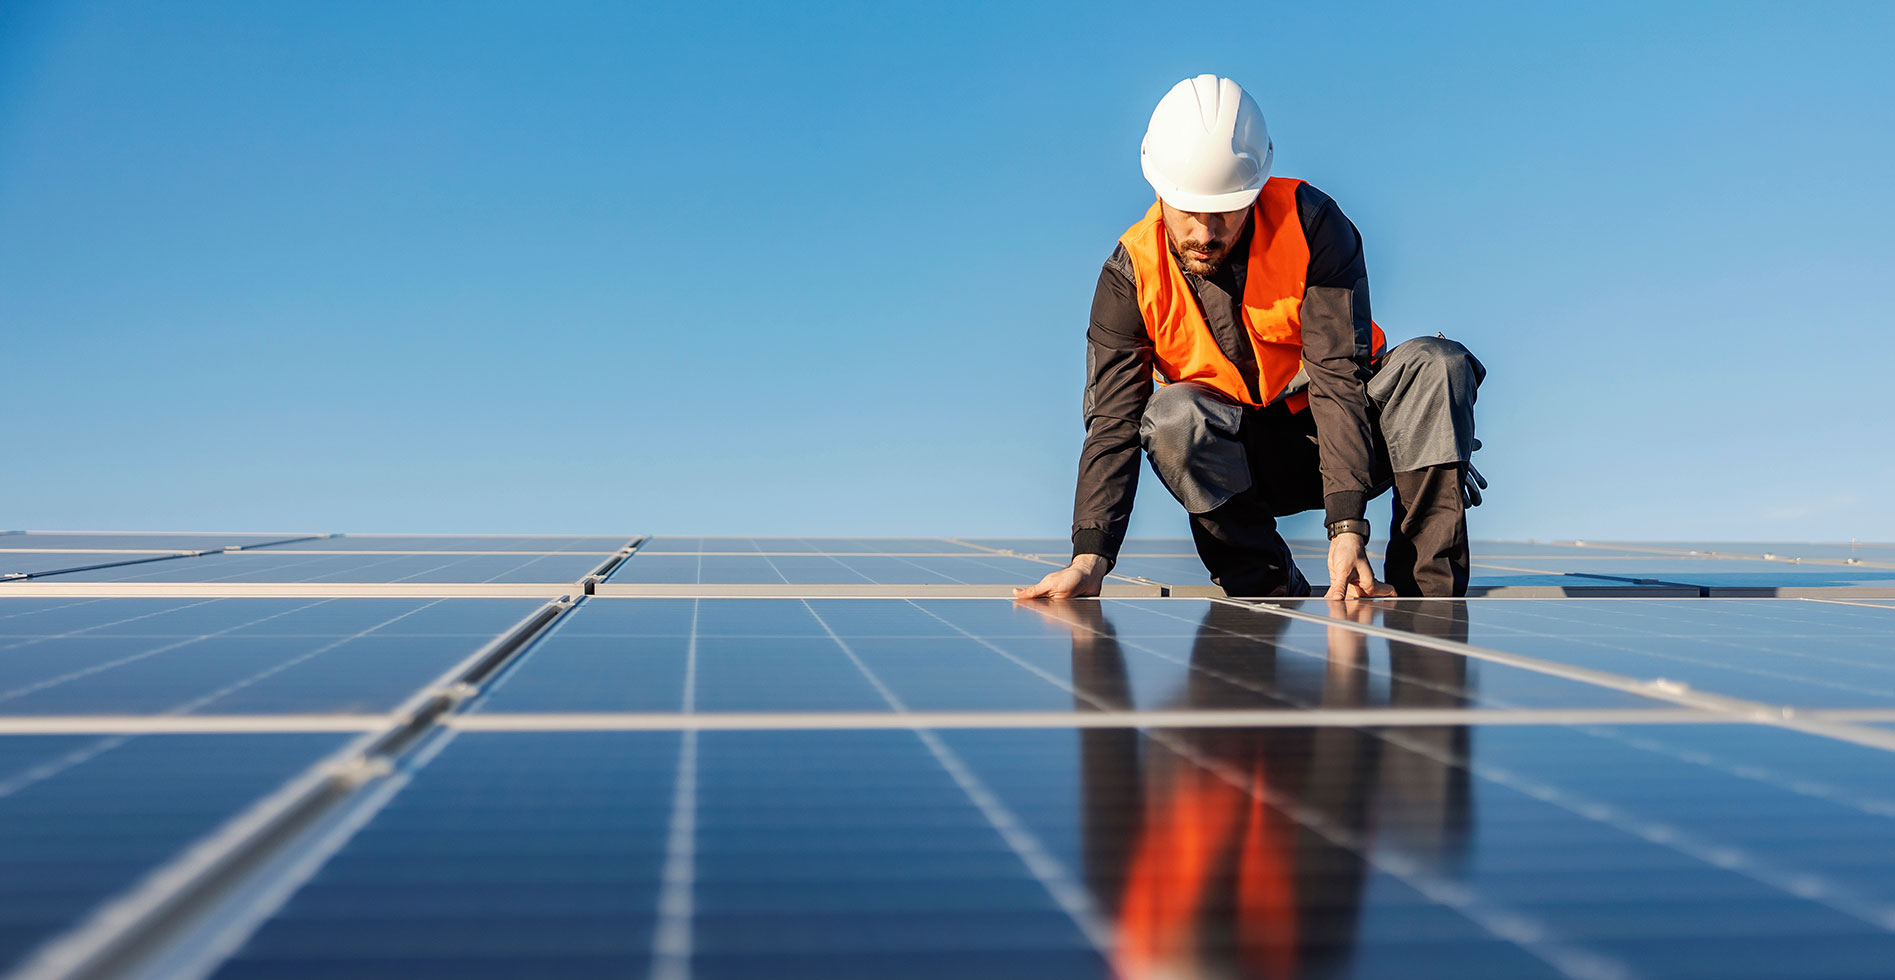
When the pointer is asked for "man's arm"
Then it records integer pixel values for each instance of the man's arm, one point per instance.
(1337, 342)
(1118, 384)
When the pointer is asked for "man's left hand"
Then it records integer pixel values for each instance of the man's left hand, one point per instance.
(1350, 576)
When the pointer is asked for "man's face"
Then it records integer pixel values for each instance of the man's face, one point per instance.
(1202, 240)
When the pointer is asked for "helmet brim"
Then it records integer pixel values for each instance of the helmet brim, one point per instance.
(1197, 203)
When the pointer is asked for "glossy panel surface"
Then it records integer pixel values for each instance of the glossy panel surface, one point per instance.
(594, 544)
(1708, 572)
(47, 562)
(508, 856)
(1505, 852)
(82, 818)
(111, 540)
(765, 655)
(265, 566)
(1779, 651)
(1485, 572)
(974, 569)
(1866, 550)
(234, 656)
(886, 546)
(1062, 547)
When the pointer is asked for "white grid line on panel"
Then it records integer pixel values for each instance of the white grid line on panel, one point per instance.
(99, 668)
(634, 721)
(1736, 859)
(1508, 925)
(671, 946)
(1736, 709)
(133, 923)
(1066, 892)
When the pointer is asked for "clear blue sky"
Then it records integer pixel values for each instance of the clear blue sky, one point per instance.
(804, 269)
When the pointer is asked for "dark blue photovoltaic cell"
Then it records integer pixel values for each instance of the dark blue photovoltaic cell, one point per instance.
(235, 656)
(1701, 851)
(267, 566)
(508, 856)
(1062, 547)
(1660, 851)
(832, 855)
(1189, 571)
(761, 655)
(885, 546)
(1778, 651)
(182, 541)
(601, 545)
(823, 570)
(1185, 548)
(82, 818)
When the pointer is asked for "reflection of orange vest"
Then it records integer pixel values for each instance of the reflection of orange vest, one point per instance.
(1214, 868)
(1183, 347)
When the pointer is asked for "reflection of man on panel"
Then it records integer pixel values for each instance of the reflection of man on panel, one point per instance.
(1227, 852)
(1247, 296)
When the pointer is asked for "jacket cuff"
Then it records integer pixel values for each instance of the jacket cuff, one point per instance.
(1344, 505)
(1093, 541)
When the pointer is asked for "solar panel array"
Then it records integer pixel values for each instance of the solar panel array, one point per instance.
(414, 756)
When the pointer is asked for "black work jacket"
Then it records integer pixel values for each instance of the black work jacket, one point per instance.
(1335, 314)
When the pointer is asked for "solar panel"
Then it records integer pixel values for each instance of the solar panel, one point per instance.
(413, 543)
(271, 566)
(1865, 550)
(827, 570)
(1708, 572)
(234, 655)
(23, 564)
(1063, 853)
(82, 817)
(329, 758)
(1781, 652)
(787, 655)
(663, 544)
(114, 541)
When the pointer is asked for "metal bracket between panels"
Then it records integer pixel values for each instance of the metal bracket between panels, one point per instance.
(591, 582)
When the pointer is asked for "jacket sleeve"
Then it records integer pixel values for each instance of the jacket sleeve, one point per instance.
(1118, 384)
(1337, 341)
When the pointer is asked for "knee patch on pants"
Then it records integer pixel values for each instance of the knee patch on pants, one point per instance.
(1190, 434)
(1425, 390)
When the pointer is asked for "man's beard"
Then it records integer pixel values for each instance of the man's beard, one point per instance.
(1219, 252)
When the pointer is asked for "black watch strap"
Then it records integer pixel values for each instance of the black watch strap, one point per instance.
(1354, 526)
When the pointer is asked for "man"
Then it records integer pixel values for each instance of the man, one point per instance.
(1246, 296)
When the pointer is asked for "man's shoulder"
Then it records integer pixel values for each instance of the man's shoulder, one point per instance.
(1119, 263)
(1311, 200)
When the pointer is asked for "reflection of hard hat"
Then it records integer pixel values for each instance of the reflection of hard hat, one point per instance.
(1207, 148)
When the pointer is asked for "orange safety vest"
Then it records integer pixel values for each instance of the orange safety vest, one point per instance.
(1183, 348)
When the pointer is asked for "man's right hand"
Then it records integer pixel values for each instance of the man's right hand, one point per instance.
(1077, 580)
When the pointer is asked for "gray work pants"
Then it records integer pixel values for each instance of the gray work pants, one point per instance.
(1236, 469)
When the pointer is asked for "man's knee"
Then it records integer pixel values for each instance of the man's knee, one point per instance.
(1189, 432)
(1181, 417)
(1440, 360)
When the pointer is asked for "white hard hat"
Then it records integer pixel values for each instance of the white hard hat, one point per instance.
(1207, 148)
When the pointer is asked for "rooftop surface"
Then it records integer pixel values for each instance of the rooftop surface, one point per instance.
(252, 755)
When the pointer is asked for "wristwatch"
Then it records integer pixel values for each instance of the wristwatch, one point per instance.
(1355, 526)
